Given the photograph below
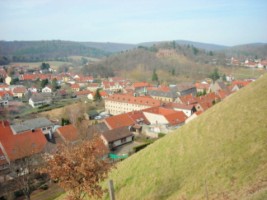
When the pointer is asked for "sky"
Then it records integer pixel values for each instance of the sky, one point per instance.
(225, 22)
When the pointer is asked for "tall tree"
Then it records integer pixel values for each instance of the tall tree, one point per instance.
(44, 66)
(97, 96)
(155, 76)
(54, 84)
(44, 83)
(215, 75)
(79, 169)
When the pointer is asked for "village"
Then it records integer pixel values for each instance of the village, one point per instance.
(126, 115)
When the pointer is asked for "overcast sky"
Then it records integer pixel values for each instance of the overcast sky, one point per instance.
(228, 22)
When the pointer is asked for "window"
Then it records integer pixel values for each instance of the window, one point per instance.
(123, 140)
(2, 157)
(43, 129)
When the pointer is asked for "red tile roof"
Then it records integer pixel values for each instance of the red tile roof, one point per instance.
(75, 86)
(202, 86)
(176, 118)
(173, 117)
(83, 92)
(142, 100)
(119, 121)
(4, 93)
(188, 99)
(141, 84)
(179, 106)
(20, 89)
(20, 145)
(103, 94)
(68, 133)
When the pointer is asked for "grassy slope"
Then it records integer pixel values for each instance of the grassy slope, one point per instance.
(226, 147)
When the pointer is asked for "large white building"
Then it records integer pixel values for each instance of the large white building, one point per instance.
(121, 103)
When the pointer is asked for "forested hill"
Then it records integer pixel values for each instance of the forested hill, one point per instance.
(46, 50)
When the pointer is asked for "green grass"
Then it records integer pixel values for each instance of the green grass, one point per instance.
(224, 151)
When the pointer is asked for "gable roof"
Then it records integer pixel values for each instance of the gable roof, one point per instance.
(31, 124)
(172, 116)
(119, 121)
(117, 134)
(19, 89)
(179, 106)
(20, 145)
(141, 84)
(188, 99)
(142, 100)
(68, 133)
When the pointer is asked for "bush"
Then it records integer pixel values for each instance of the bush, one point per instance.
(141, 146)
(160, 135)
(44, 187)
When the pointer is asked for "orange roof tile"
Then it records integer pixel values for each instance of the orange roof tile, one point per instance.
(68, 133)
(141, 84)
(143, 100)
(119, 121)
(20, 145)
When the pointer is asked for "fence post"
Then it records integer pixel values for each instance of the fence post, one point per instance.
(111, 190)
(206, 191)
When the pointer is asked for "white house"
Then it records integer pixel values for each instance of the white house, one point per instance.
(46, 89)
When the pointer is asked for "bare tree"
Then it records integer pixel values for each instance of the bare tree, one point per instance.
(79, 169)
(25, 167)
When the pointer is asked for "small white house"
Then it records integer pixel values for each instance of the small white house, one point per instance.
(46, 89)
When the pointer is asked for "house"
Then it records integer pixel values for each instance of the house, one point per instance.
(68, 133)
(187, 109)
(186, 89)
(140, 87)
(5, 95)
(186, 99)
(75, 87)
(47, 89)
(195, 115)
(4, 87)
(83, 93)
(41, 123)
(40, 99)
(17, 146)
(93, 86)
(163, 96)
(218, 85)
(160, 115)
(123, 103)
(33, 90)
(202, 87)
(19, 92)
(102, 93)
(117, 137)
(126, 120)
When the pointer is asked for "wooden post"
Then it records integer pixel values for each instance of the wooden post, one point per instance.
(111, 190)
(206, 190)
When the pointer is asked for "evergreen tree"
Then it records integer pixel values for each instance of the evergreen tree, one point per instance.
(97, 96)
(155, 76)
(215, 75)
(54, 84)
